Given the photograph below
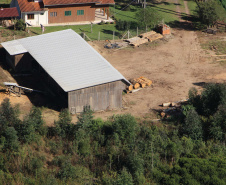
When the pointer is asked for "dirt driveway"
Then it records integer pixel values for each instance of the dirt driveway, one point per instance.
(174, 66)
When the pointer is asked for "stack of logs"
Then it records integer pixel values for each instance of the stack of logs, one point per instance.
(138, 82)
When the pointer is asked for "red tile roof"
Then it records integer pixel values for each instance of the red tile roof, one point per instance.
(8, 12)
(28, 6)
(67, 2)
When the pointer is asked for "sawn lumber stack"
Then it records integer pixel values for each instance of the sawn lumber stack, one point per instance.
(143, 38)
(139, 82)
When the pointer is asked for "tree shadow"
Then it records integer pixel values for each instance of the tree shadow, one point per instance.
(4, 5)
(110, 32)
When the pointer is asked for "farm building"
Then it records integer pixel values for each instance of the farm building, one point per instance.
(70, 66)
(36, 12)
(7, 15)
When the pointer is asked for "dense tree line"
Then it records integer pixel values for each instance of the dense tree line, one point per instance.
(188, 148)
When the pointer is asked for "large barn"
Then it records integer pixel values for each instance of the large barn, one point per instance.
(71, 67)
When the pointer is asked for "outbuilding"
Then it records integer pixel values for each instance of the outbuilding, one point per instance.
(74, 69)
(7, 15)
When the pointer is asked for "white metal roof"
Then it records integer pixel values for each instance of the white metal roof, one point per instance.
(14, 47)
(69, 60)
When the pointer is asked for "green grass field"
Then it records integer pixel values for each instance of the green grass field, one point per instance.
(166, 10)
(5, 2)
(106, 30)
(192, 7)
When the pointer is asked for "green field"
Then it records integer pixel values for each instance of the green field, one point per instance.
(5, 2)
(106, 30)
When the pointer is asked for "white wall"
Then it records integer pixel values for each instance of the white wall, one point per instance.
(38, 18)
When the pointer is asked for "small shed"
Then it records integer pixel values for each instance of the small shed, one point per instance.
(72, 67)
(6, 16)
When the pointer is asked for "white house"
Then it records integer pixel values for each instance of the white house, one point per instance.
(33, 13)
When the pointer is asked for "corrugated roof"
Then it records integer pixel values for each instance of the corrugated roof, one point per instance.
(67, 2)
(14, 47)
(70, 60)
(9, 12)
(26, 6)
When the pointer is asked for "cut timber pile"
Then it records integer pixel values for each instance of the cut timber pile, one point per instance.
(139, 42)
(145, 35)
(139, 82)
(143, 38)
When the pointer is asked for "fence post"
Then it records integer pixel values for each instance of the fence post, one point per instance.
(113, 35)
(128, 34)
(99, 36)
(137, 31)
(91, 27)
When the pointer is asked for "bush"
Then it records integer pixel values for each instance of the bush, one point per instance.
(20, 25)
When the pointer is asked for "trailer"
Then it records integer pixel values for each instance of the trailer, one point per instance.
(17, 89)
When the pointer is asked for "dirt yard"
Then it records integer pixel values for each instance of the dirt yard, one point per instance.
(174, 65)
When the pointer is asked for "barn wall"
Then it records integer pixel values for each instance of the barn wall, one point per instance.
(23, 62)
(89, 13)
(19, 63)
(10, 60)
(100, 97)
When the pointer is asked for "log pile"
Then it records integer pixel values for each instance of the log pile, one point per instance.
(172, 108)
(137, 83)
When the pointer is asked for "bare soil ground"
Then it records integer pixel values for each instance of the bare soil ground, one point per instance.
(174, 65)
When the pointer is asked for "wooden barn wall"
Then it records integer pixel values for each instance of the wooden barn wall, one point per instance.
(100, 97)
(23, 62)
(10, 60)
(89, 13)
(19, 63)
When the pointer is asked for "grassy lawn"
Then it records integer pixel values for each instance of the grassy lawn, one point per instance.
(192, 6)
(106, 30)
(5, 2)
(166, 10)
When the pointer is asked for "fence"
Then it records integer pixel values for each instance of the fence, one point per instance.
(221, 26)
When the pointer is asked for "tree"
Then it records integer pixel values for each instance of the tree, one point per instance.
(148, 17)
(125, 178)
(63, 125)
(35, 116)
(209, 11)
(192, 126)
(9, 116)
(11, 139)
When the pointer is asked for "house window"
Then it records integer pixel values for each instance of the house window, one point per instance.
(67, 13)
(80, 12)
(41, 13)
(30, 16)
(53, 14)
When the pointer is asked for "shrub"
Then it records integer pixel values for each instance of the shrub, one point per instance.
(20, 25)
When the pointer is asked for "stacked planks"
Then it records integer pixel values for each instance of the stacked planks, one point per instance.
(139, 82)
(143, 38)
